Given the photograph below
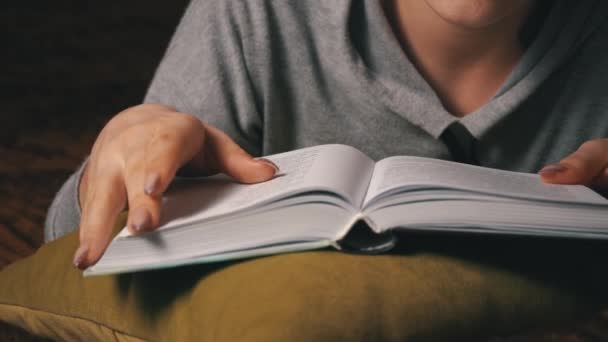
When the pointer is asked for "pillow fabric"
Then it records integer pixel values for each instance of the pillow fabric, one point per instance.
(435, 287)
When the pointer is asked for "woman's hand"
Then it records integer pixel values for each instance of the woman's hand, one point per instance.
(135, 158)
(587, 166)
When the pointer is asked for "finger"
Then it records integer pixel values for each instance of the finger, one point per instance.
(231, 159)
(586, 166)
(167, 151)
(144, 210)
(150, 176)
(98, 217)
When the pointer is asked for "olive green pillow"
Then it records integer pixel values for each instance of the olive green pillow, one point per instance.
(436, 287)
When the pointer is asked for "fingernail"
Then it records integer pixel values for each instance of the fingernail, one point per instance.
(140, 220)
(80, 257)
(552, 169)
(269, 162)
(152, 182)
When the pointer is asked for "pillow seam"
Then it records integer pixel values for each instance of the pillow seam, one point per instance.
(73, 317)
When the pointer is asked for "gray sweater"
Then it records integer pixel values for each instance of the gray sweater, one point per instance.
(281, 75)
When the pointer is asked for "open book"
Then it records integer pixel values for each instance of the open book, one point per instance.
(322, 192)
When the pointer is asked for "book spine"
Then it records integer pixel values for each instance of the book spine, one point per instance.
(360, 237)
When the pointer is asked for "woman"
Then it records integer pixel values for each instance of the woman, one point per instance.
(514, 85)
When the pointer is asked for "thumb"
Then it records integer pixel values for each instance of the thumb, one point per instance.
(229, 158)
(586, 166)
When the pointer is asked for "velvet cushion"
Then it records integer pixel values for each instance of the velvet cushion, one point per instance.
(436, 287)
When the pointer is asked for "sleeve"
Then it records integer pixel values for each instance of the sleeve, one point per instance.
(203, 73)
(64, 213)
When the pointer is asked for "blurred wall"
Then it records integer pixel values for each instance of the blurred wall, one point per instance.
(64, 61)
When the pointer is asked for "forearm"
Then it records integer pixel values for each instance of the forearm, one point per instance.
(63, 215)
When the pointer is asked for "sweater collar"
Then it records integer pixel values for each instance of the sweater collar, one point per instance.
(392, 78)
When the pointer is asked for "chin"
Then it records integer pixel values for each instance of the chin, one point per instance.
(476, 14)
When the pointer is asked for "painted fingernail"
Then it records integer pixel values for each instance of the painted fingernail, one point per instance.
(80, 257)
(269, 162)
(141, 220)
(152, 182)
(552, 169)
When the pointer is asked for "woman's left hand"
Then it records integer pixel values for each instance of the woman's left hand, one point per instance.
(587, 166)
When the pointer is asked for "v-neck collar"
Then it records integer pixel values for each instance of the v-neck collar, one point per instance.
(388, 74)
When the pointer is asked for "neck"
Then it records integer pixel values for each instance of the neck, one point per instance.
(464, 65)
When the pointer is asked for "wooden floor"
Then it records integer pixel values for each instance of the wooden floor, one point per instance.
(66, 68)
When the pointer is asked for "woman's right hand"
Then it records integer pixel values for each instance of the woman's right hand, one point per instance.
(135, 158)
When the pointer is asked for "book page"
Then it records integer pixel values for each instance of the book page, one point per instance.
(339, 169)
(392, 174)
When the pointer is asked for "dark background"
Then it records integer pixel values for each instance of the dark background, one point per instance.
(65, 68)
(85, 57)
